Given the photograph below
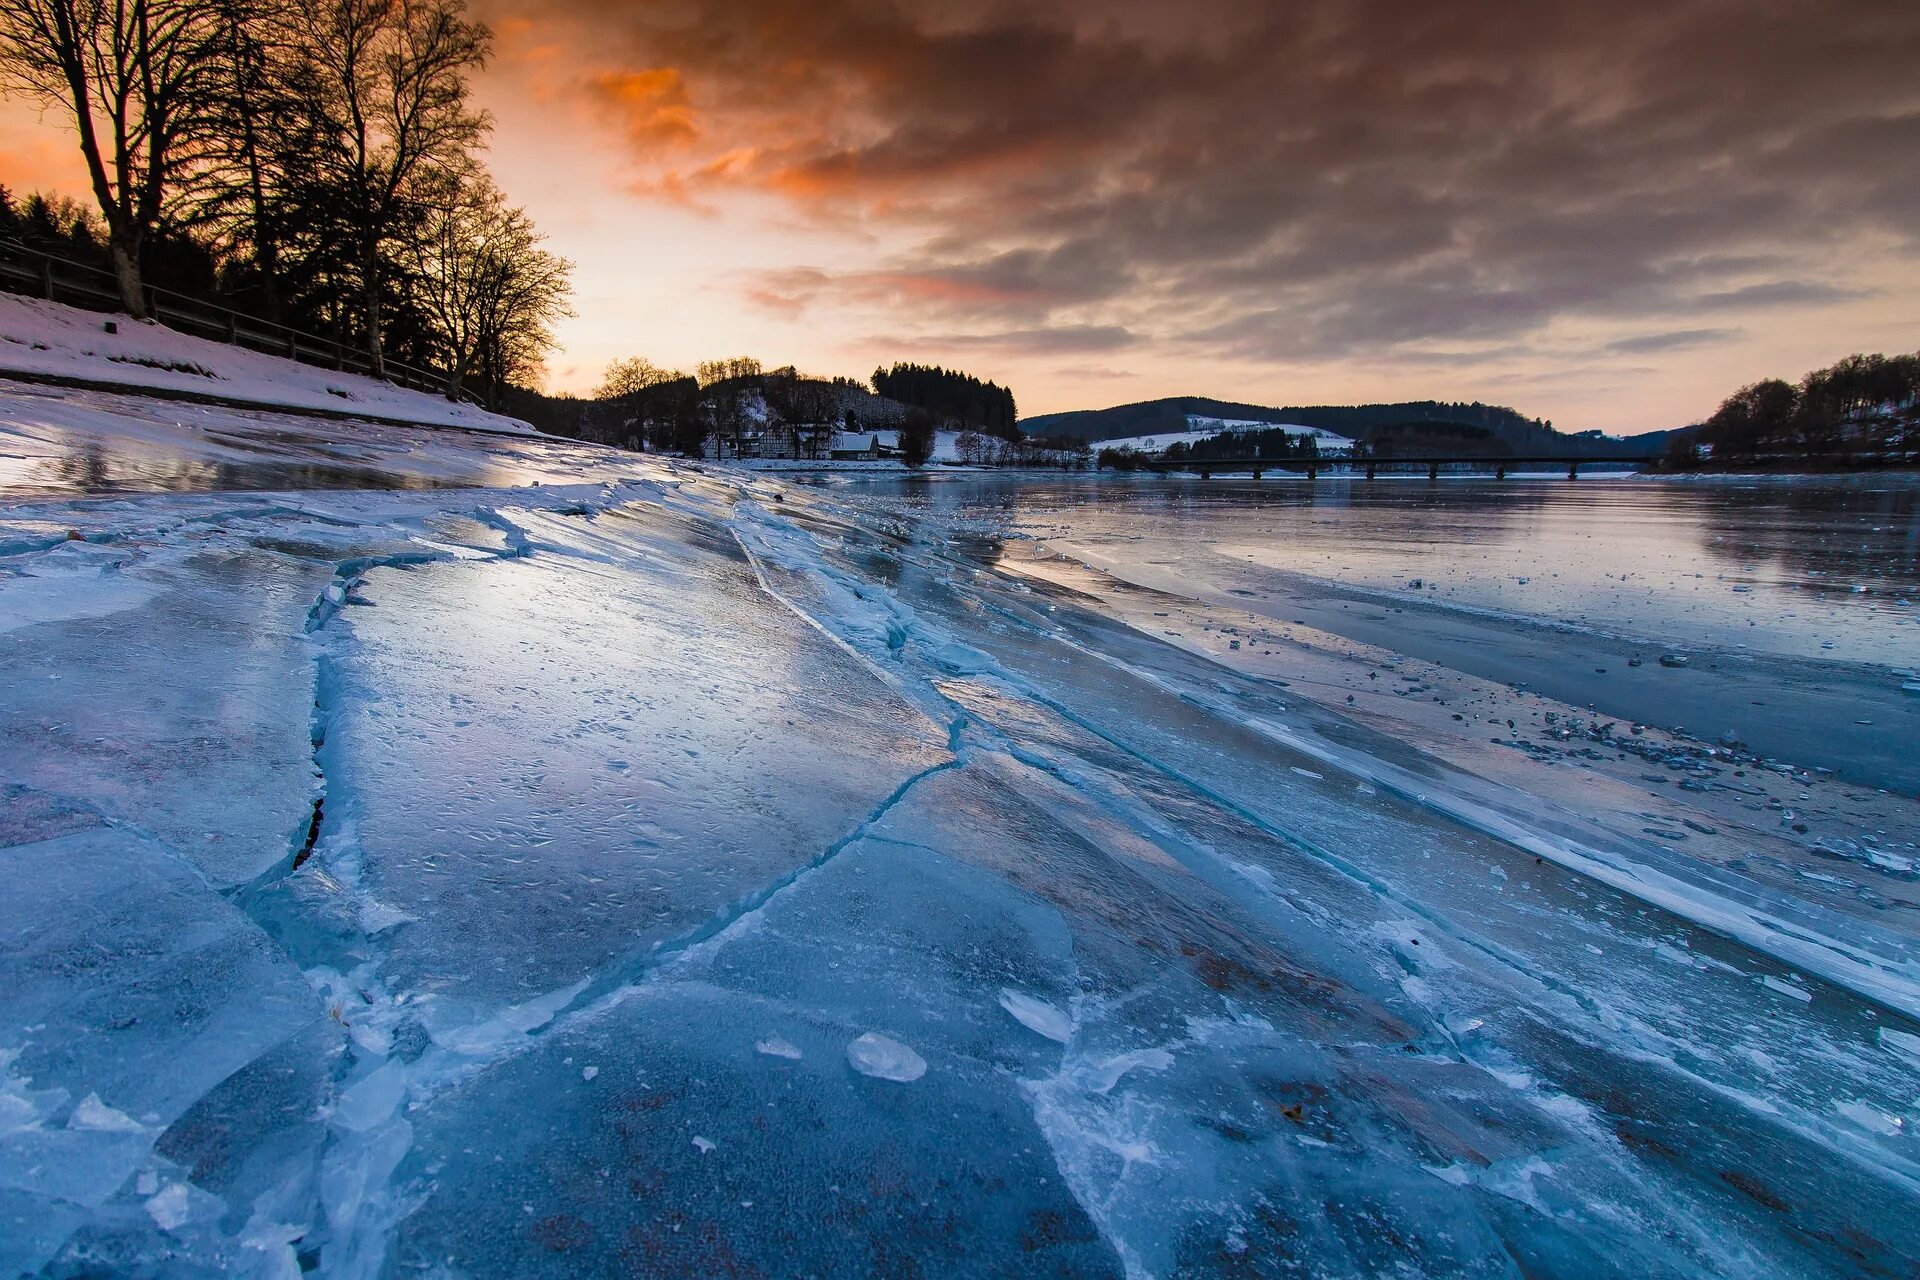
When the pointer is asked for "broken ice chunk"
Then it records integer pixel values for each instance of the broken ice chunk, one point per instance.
(1037, 1015)
(95, 1115)
(777, 1047)
(884, 1058)
(1786, 988)
(1901, 1041)
(170, 1209)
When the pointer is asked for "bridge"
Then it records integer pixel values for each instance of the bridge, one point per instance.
(1205, 467)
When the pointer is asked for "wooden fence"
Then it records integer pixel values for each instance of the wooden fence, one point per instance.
(27, 270)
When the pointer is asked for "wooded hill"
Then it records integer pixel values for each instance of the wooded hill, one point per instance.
(1486, 428)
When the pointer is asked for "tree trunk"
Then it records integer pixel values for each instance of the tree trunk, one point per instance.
(126, 275)
(376, 347)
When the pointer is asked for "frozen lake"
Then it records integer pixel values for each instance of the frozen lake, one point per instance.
(676, 873)
(1796, 603)
(1800, 567)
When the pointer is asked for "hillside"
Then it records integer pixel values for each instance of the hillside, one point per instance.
(46, 340)
(1511, 429)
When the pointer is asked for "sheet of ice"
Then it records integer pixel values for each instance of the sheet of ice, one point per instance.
(55, 442)
(641, 805)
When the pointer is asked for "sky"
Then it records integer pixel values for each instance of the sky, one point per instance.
(1606, 213)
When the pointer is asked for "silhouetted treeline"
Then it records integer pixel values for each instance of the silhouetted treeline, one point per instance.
(311, 162)
(955, 399)
(1436, 440)
(1862, 410)
(977, 449)
(1272, 443)
(733, 408)
(1356, 422)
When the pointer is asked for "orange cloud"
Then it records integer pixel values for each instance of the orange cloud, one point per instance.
(652, 107)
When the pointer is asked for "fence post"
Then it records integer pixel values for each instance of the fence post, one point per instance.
(46, 276)
(293, 345)
(233, 327)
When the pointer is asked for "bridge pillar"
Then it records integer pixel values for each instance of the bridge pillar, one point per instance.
(1313, 471)
(1433, 472)
(1573, 471)
(1369, 471)
(1206, 473)
(1256, 475)
(1500, 471)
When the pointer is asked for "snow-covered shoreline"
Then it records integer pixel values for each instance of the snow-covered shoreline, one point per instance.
(49, 339)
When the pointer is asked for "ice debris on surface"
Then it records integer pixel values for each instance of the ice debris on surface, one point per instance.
(885, 1058)
(1038, 1016)
(774, 1046)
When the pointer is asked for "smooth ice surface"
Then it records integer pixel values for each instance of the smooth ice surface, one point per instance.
(662, 872)
(57, 441)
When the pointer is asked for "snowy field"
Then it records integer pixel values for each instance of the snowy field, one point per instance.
(39, 337)
(517, 858)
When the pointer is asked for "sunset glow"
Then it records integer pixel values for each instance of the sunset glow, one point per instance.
(1603, 216)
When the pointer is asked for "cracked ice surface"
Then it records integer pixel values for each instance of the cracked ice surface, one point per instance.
(643, 875)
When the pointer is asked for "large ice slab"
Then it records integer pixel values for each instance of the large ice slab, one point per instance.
(641, 876)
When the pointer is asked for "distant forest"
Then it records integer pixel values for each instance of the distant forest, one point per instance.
(954, 399)
(640, 405)
(1470, 429)
(1272, 442)
(1156, 416)
(1860, 410)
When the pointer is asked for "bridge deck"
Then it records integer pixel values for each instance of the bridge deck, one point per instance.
(1313, 466)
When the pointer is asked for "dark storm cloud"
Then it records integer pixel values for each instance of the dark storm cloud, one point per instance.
(1294, 180)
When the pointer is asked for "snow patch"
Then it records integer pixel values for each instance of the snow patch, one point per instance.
(40, 337)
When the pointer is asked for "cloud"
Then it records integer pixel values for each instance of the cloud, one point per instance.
(1053, 340)
(1672, 340)
(651, 106)
(1774, 293)
(1318, 180)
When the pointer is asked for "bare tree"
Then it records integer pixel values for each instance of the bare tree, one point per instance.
(389, 77)
(139, 79)
(491, 291)
(632, 375)
(726, 384)
(239, 194)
